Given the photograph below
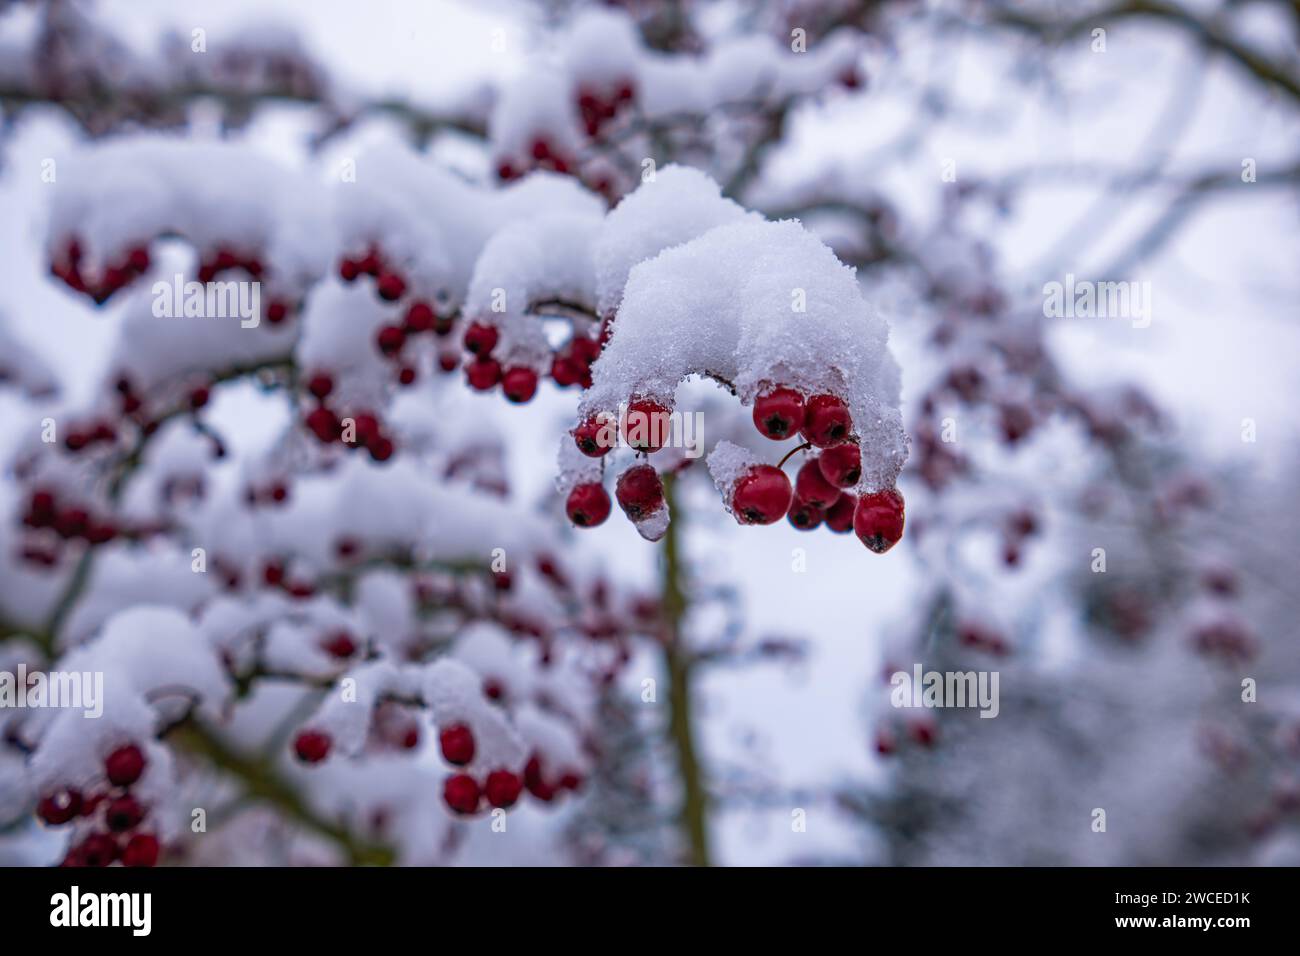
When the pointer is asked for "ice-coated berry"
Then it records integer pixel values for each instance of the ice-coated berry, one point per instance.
(519, 384)
(461, 793)
(639, 491)
(841, 465)
(124, 765)
(457, 743)
(646, 425)
(761, 496)
(878, 520)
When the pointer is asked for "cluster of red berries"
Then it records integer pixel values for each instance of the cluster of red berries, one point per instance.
(274, 575)
(464, 794)
(597, 110)
(418, 319)
(68, 521)
(115, 813)
(227, 259)
(114, 276)
(364, 429)
(542, 154)
(483, 373)
(389, 283)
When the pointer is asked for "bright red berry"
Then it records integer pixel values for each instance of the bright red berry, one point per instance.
(646, 425)
(878, 520)
(639, 491)
(461, 793)
(826, 421)
(312, 746)
(141, 850)
(813, 488)
(761, 496)
(588, 505)
(839, 517)
(123, 813)
(779, 413)
(519, 384)
(457, 742)
(483, 374)
(594, 437)
(125, 765)
(503, 788)
(566, 371)
(481, 339)
(841, 465)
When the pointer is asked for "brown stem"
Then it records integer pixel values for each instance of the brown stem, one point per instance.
(679, 666)
(790, 453)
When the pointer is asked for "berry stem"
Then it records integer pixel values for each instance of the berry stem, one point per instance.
(781, 463)
(679, 666)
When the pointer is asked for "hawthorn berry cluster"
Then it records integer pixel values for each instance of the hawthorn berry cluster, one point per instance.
(100, 284)
(108, 818)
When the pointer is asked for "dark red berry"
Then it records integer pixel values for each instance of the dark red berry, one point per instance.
(320, 385)
(340, 645)
(761, 496)
(349, 269)
(457, 743)
(481, 339)
(461, 793)
(419, 318)
(199, 397)
(536, 783)
(803, 515)
(566, 371)
(390, 339)
(841, 465)
(639, 491)
(594, 437)
(588, 505)
(826, 421)
(125, 765)
(123, 814)
(839, 517)
(483, 374)
(277, 312)
(312, 746)
(406, 376)
(58, 808)
(646, 425)
(779, 413)
(878, 520)
(98, 849)
(391, 286)
(325, 425)
(503, 788)
(141, 850)
(813, 488)
(519, 384)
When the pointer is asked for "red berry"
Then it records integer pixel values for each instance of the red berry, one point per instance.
(813, 488)
(639, 491)
(320, 385)
(483, 374)
(138, 258)
(506, 171)
(481, 339)
(390, 339)
(594, 437)
(340, 645)
(123, 813)
(406, 376)
(826, 421)
(60, 807)
(277, 312)
(878, 520)
(519, 384)
(141, 850)
(312, 746)
(457, 742)
(841, 465)
(419, 318)
(381, 449)
(761, 496)
(199, 397)
(566, 371)
(646, 426)
(536, 783)
(98, 849)
(779, 413)
(391, 286)
(588, 505)
(803, 515)
(325, 425)
(839, 517)
(541, 149)
(461, 793)
(124, 765)
(503, 788)
(349, 269)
